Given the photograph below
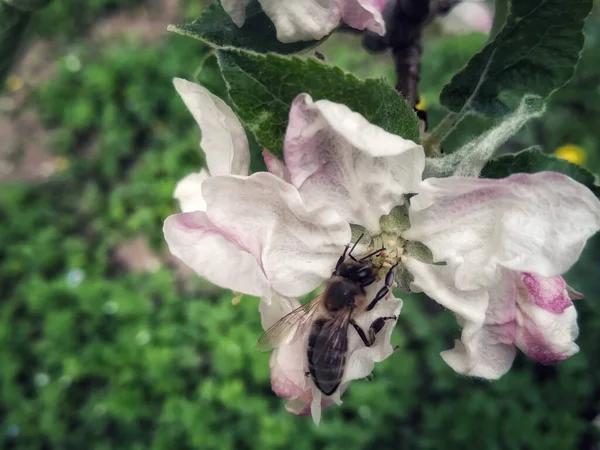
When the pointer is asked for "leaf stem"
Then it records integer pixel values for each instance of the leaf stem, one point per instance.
(432, 142)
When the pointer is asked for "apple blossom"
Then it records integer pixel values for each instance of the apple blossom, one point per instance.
(490, 250)
(491, 235)
(304, 20)
(256, 235)
(468, 17)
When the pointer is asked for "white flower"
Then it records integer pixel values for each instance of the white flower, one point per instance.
(489, 233)
(304, 20)
(252, 233)
(467, 17)
(256, 235)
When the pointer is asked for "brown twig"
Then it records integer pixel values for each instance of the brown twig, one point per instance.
(405, 21)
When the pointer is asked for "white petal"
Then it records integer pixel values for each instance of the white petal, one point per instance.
(337, 158)
(189, 192)
(223, 137)
(468, 17)
(315, 407)
(213, 254)
(480, 358)
(487, 350)
(529, 223)
(363, 14)
(298, 247)
(438, 283)
(302, 20)
(274, 308)
(547, 320)
(236, 10)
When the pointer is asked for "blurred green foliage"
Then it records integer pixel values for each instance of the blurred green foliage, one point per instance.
(93, 356)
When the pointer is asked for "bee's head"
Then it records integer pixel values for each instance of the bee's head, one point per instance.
(361, 273)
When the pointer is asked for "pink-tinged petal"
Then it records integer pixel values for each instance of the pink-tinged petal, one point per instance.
(236, 10)
(296, 246)
(363, 14)
(302, 20)
(223, 137)
(528, 223)
(276, 166)
(214, 254)
(379, 4)
(336, 158)
(189, 192)
(487, 350)
(547, 320)
(467, 17)
(547, 293)
(288, 363)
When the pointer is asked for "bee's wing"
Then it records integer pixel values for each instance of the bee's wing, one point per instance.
(333, 338)
(286, 328)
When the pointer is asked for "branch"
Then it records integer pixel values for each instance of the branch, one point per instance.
(405, 21)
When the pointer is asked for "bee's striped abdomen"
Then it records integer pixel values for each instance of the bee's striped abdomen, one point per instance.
(327, 349)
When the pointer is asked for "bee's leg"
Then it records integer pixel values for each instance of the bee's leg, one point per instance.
(353, 247)
(389, 280)
(361, 333)
(375, 328)
(341, 259)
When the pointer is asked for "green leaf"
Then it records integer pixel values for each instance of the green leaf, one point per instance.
(535, 53)
(215, 28)
(13, 24)
(262, 88)
(532, 160)
(209, 76)
(27, 5)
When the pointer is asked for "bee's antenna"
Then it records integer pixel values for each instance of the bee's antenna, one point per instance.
(354, 246)
(371, 254)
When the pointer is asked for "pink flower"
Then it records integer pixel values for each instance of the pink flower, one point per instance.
(304, 20)
(468, 17)
(525, 311)
(257, 235)
(500, 245)
(490, 234)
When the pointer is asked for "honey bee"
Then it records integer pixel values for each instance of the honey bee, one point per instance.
(328, 316)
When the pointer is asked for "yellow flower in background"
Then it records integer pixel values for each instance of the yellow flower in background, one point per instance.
(571, 152)
(61, 163)
(422, 105)
(14, 83)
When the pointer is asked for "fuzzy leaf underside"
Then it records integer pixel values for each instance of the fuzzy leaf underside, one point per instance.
(262, 87)
(535, 53)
